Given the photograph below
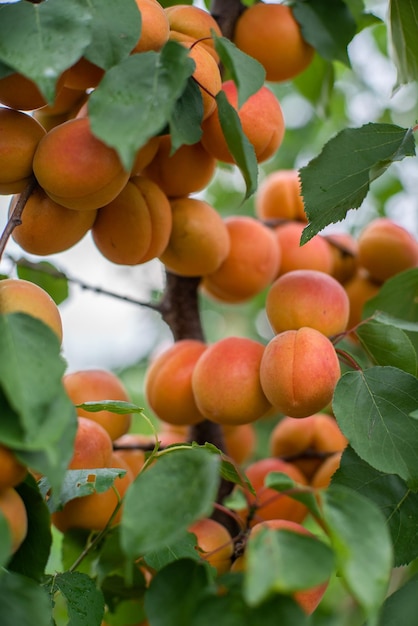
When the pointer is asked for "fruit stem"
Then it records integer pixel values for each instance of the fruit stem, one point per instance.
(15, 218)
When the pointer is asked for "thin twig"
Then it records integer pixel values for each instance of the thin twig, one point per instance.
(15, 218)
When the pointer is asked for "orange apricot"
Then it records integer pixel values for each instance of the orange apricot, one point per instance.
(279, 196)
(199, 240)
(145, 155)
(19, 92)
(307, 441)
(240, 442)
(307, 298)
(41, 217)
(191, 23)
(214, 543)
(386, 249)
(76, 169)
(92, 446)
(315, 254)
(19, 137)
(22, 296)
(251, 265)
(95, 385)
(128, 448)
(268, 503)
(168, 383)
(14, 510)
(261, 119)
(155, 27)
(83, 75)
(360, 288)
(188, 170)
(67, 100)
(206, 75)
(226, 381)
(299, 371)
(344, 250)
(323, 475)
(12, 471)
(271, 34)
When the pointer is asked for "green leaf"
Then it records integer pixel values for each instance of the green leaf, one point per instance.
(85, 603)
(115, 30)
(401, 606)
(238, 144)
(42, 40)
(5, 540)
(247, 73)
(347, 165)
(38, 419)
(388, 345)
(361, 543)
(403, 30)
(31, 558)
(183, 548)
(141, 93)
(119, 407)
(391, 494)
(398, 297)
(282, 482)
(178, 489)
(328, 28)
(46, 276)
(186, 119)
(282, 561)
(372, 409)
(22, 601)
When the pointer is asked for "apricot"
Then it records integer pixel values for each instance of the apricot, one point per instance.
(299, 371)
(95, 385)
(83, 75)
(268, 503)
(22, 296)
(214, 543)
(344, 250)
(307, 298)
(155, 27)
(19, 92)
(172, 433)
(76, 169)
(67, 100)
(92, 446)
(12, 471)
(226, 381)
(317, 434)
(19, 137)
(271, 34)
(307, 599)
(14, 510)
(261, 119)
(240, 442)
(199, 240)
(168, 383)
(191, 23)
(279, 196)
(128, 448)
(188, 170)
(386, 249)
(251, 265)
(145, 155)
(206, 75)
(93, 512)
(323, 475)
(314, 255)
(41, 217)
(359, 289)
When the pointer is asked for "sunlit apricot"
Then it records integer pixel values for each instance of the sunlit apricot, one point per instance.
(41, 217)
(22, 296)
(92, 446)
(14, 510)
(279, 196)
(12, 471)
(154, 26)
(315, 254)
(192, 23)
(94, 385)
(214, 543)
(271, 34)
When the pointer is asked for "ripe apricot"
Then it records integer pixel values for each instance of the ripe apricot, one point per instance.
(92, 445)
(310, 598)
(191, 23)
(307, 298)
(261, 119)
(67, 100)
(145, 155)
(315, 254)
(94, 511)
(199, 240)
(317, 434)
(168, 383)
(226, 381)
(19, 92)
(299, 371)
(344, 251)
(83, 75)
(214, 543)
(385, 249)
(206, 75)
(154, 26)
(251, 265)
(128, 448)
(240, 442)
(268, 503)
(19, 137)
(271, 34)
(14, 510)
(41, 217)
(360, 288)
(323, 475)
(95, 385)
(76, 169)
(12, 471)
(22, 296)
(188, 170)
(279, 196)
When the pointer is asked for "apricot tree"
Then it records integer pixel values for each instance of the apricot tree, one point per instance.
(276, 481)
